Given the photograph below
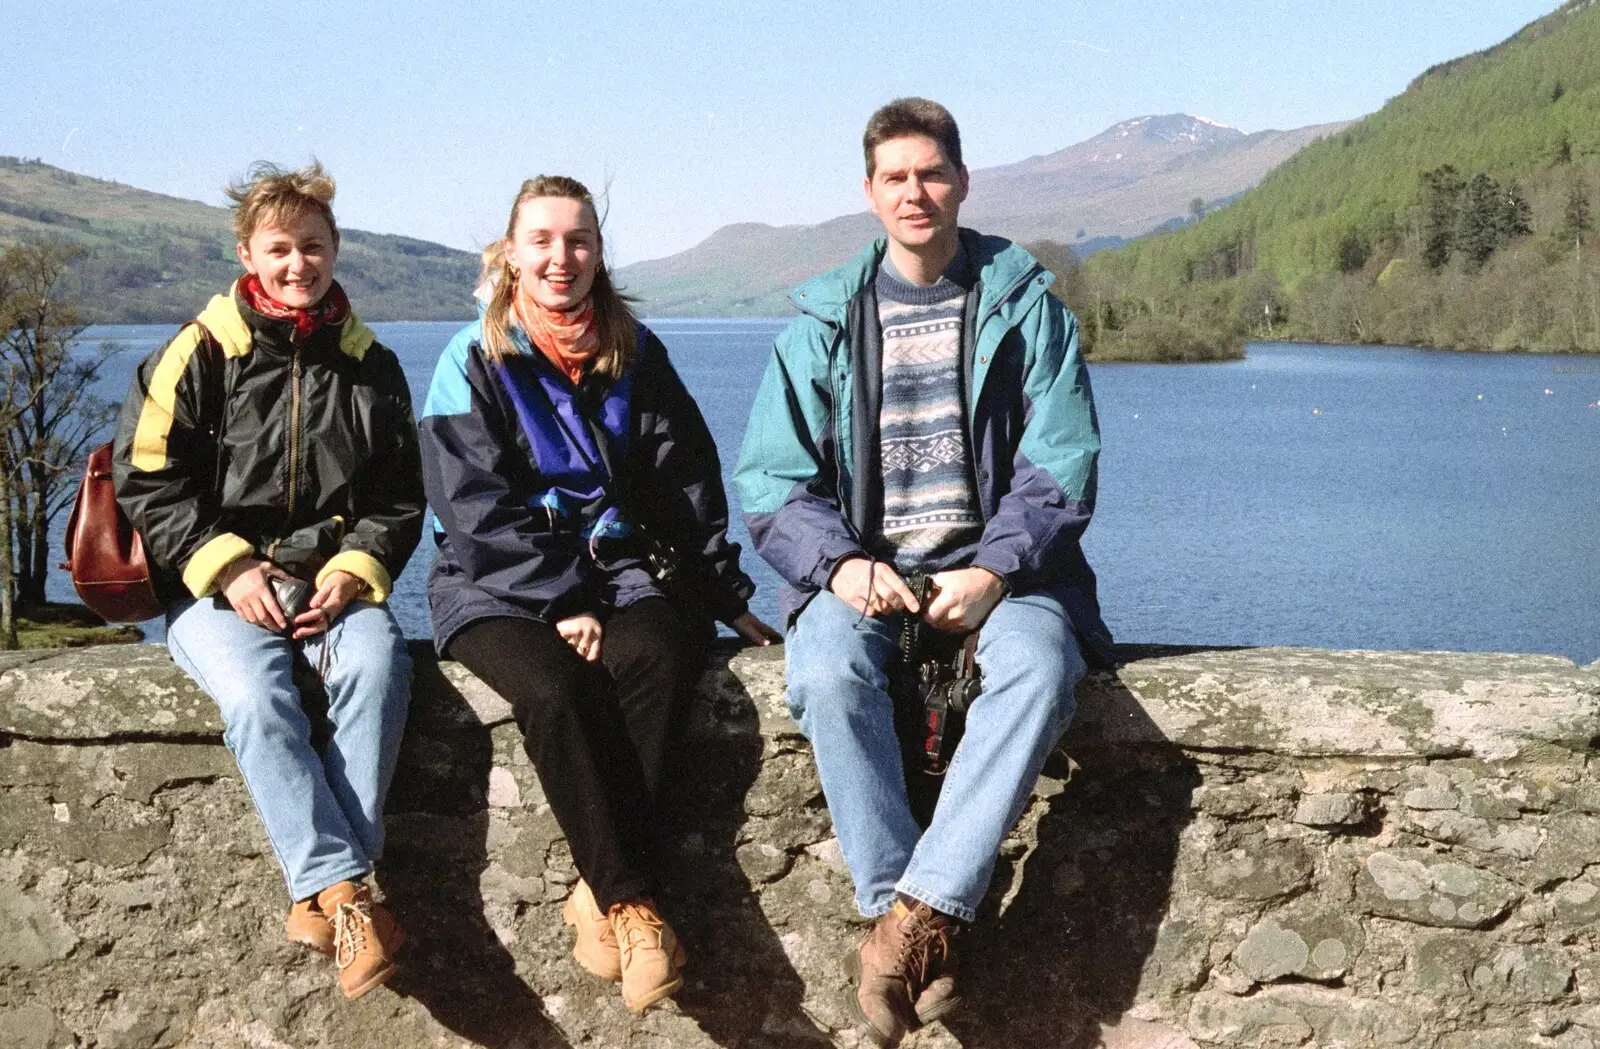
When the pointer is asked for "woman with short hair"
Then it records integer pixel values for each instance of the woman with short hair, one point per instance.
(268, 457)
(583, 555)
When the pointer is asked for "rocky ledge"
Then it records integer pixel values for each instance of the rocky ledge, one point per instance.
(1250, 847)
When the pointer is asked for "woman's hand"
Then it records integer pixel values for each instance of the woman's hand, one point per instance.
(583, 634)
(329, 603)
(753, 630)
(247, 584)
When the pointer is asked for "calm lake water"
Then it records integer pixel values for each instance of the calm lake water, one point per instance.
(1342, 497)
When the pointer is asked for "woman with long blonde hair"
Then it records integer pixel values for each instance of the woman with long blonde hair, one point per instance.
(582, 555)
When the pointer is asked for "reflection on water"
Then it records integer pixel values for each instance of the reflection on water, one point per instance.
(1350, 497)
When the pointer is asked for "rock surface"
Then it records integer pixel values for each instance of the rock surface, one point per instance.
(1253, 847)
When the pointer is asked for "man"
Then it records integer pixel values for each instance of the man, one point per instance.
(928, 413)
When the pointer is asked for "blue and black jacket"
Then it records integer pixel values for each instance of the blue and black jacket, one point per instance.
(539, 486)
(808, 479)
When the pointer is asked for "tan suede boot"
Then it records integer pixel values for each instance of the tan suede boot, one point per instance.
(652, 957)
(596, 949)
(365, 937)
(307, 924)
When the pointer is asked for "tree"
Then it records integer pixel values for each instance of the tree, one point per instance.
(1516, 215)
(49, 416)
(1197, 209)
(1353, 253)
(1440, 203)
(1576, 222)
(1478, 228)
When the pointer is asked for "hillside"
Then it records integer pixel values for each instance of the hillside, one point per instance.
(153, 258)
(1451, 217)
(1128, 180)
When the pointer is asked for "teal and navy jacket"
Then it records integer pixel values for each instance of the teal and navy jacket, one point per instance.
(538, 487)
(808, 478)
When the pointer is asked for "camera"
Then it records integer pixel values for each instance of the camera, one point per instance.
(293, 596)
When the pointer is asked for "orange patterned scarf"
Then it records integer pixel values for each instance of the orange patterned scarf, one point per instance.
(566, 337)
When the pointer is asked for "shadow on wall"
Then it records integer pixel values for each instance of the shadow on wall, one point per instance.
(439, 825)
(1068, 931)
(741, 988)
(480, 888)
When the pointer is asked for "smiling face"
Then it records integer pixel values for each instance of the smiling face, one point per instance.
(294, 260)
(554, 246)
(916, 192)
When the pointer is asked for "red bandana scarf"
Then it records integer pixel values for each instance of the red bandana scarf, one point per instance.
(333, 309)
(566, 337)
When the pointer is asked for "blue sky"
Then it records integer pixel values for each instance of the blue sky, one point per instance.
(695, 114)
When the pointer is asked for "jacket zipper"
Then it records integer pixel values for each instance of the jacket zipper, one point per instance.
(294, 434)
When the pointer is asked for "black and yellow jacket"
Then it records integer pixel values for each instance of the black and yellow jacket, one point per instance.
(235, 441)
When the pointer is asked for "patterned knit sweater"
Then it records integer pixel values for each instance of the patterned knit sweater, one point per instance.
(930, 508)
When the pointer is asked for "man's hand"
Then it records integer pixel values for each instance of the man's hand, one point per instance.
(583, 634)
(329, 603)
(752, 630)
(872, 587)
(963, 599)
(247, 584)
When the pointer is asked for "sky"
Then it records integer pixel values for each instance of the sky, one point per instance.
(689, 115)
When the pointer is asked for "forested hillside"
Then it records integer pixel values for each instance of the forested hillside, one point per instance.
(1459, 215)
(152, 258)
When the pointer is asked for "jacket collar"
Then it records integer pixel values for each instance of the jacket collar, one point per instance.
(226, 323)
(1010, 280)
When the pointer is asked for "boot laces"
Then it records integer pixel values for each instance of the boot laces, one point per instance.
(923, 941)
(641, 926)
(350, 924)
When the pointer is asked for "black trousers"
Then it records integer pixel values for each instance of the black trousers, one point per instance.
(598, 733)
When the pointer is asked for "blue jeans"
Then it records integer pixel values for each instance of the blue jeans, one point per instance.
(323, 814)
(838, 692)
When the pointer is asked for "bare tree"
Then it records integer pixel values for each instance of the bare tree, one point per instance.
(50, 415)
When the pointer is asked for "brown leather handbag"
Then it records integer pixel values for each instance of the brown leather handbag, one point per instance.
(105, 553)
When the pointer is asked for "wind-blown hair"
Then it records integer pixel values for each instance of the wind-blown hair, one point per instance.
(911, 116)
(277, 195)
(613, 318)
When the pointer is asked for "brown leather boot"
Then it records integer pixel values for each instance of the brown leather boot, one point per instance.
(652, 957)
(935, 942)
(596, 949)
(905, 973)
(365, 937)
(308, 925)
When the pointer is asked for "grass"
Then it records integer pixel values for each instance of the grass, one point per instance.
(60, 625)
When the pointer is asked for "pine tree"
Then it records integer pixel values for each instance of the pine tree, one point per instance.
(1478, 230)
(1440, 202)
(1516, 215)
(1576, 222)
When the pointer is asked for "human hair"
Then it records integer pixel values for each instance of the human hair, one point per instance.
(911, 116)
(613, 318)
(269, 193)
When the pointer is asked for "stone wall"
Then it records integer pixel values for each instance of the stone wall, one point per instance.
(1254, 847)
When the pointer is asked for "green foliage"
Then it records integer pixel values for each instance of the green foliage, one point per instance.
(1575, 220)
(1434, 221)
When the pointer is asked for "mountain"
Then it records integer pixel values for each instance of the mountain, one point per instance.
(1127, 180)
(1124, 182)
(1459, 215)
(151, 258)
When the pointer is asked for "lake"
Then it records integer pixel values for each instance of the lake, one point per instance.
(1333, 496)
